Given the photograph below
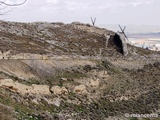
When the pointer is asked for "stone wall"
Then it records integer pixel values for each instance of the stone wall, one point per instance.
(22, 56)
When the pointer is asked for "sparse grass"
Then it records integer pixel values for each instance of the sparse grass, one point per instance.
(20, 111)
(6, 113)
(52, 80)
(69, 75)
(133, 119)
(145, 103)
(69, 41)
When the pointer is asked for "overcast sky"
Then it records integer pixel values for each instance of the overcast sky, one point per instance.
(106, 11)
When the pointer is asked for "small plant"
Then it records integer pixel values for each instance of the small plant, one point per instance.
(133, 118)
(6, 113)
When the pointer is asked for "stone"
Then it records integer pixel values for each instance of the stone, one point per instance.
(94, 83)
(24, 89)
(107, 37)
(80, 89)
(102, 74)
(57, 102)
(41, 89)
(64, 79)
(58, 90)
(35, 101)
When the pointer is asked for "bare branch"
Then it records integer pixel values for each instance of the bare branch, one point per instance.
(4, 6)
(93, 21)
(122, 30)
(7, 4)
(6, 12)
(2, 1)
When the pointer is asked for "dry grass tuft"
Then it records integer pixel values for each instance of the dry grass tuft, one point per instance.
(6, 113)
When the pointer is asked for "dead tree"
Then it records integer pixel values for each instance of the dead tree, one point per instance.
(93, 21)
(122, 31)
(4, 6)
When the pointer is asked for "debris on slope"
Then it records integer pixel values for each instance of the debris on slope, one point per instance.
(57, 39)
(84, 75)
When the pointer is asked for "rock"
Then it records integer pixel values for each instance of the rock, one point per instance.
(56, 102)
(94, 83)
(58, 90)
(64, 79)
(107, 39)
(80, 89)
(35, 101)
(102, 74)
(24, 89)
(40, 89)
(45, 116)
(122, 98)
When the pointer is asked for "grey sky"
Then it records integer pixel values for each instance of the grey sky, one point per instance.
(106, 11)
